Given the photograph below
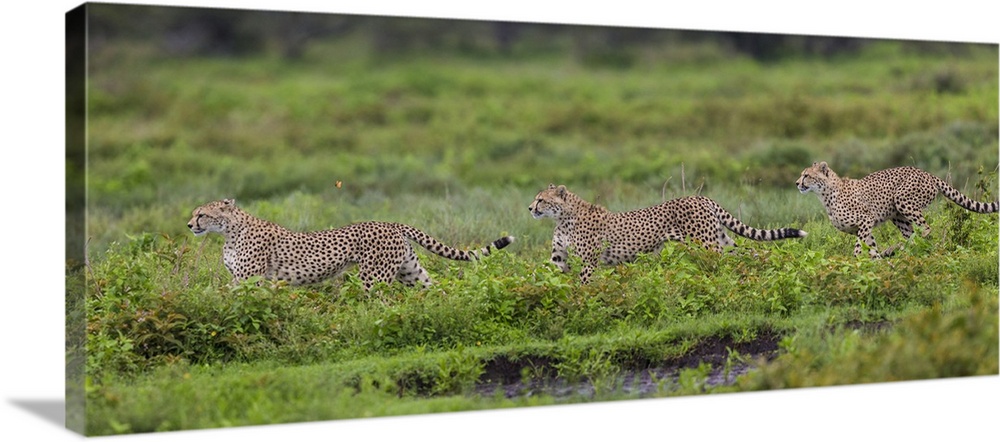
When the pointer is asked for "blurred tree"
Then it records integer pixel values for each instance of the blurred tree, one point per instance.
(293, 31)
(771, 47)
(504, 34)
(762, 47)
(213, 32)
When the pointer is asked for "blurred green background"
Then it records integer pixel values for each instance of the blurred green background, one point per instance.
(431, 121)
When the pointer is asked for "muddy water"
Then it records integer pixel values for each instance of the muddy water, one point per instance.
(642, 379)
(641, 383)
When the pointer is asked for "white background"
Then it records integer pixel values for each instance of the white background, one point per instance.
(32, 357)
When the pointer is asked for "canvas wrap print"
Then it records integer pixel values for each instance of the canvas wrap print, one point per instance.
(280, 217)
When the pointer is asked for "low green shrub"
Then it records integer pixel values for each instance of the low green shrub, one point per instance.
(932, 343)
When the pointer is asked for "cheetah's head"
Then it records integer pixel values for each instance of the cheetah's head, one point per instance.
(815, 177)
(211, 217)
(549, 202)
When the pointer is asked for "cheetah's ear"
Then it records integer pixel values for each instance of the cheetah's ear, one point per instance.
(552, 186)
(229, 202)
(824, 168)
(561, 191)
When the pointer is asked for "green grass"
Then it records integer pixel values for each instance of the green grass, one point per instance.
(458, 146)
(165, 328)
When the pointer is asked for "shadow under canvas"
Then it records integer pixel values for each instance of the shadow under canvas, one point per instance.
(52, 410)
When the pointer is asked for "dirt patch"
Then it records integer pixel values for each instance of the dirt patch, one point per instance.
(504, 370)
(636, 375)
(714, 351)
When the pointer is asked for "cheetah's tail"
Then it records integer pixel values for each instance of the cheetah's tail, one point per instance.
(438, 248)
(737, 226)
(964, 201)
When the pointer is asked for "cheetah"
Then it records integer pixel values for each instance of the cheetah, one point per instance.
(597, 234)
(254, 247)
(898, 194)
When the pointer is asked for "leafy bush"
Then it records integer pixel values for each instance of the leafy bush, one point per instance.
(134, 325)
(930, 344)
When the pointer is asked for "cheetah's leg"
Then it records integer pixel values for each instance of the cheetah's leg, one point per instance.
(724, 240)
(410, 272)
(675, 234)
(719, 243)
(918, 221)
(368, 276)
(706, 231)
(590, 254)
(713, 246)
(588, 269)
(911, 199)
(865, 234)
(904, 227)
(560, 257)
(905, 220)
(378, 267)
(709, 243)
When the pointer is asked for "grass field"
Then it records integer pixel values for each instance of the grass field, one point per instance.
(458, 146)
